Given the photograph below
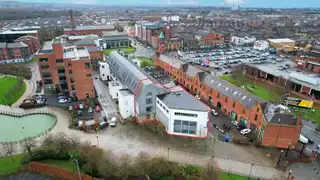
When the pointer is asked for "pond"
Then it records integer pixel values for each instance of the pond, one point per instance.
(18, 128)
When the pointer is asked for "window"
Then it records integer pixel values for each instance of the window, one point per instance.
(60, 67)
(167, 110)
(185, 114)
(157, 102)
(69, 64)
(243, 110)
(234, 104)
(186, 127)
(73, 87)
(226, 100)
(87, 65)
(256, 117)
(218, 95)
(70, 71)
(59, 60)
(46, 74)
(47, 81)
(148, 109)
(45, 66)
(71, 80)
(148, 101)
(43, 59)
(88, 75)
(149, 94)
(102, 66)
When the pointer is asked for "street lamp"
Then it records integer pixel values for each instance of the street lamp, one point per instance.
(98, 140)
(168, 153)
(279, 158)
(288, 149)
(289, 176)
(250, 171)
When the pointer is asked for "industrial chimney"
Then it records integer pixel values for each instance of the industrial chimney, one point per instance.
(72, 23)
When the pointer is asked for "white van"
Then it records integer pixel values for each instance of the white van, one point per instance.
(303, 139)
(113, 122)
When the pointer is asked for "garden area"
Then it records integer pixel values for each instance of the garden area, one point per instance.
(58, 154)
(11, 90)
(145, 62)
(270, 93)
(126, 50)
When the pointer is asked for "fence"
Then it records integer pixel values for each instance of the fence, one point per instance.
(15, 114)
(57, 173)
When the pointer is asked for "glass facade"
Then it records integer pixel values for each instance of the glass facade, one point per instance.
(186, 127)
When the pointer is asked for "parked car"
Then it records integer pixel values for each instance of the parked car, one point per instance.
(214, 112)
(70, 108)
(61, 101)
(80, 113)
(113, 122)
(245, 131)
(310, 140)
(81, 106)
(97, 109)
(90, 110)
(75, 107)
(197, 96)
(86, 105)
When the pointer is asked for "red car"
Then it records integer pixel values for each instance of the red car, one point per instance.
(97, 108)
(75, 107)
(86, 105)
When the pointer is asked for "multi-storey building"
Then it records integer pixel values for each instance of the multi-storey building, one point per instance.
(308, 61)
(146, 30)
(66, 68)
(10, 51)
(273, 126)
(146, 99)
(209, 38)
(113, 39)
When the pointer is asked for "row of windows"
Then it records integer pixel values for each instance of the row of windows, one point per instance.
(163, 107)
(185, 114)
(186, 127)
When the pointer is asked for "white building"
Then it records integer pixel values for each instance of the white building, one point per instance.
(104, 71)
(114, 87)
(126, 103)
(261, 45)
(182, 114)
(242, 40)
(171, 18)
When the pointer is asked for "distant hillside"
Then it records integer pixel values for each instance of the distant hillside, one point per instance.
(18, 14)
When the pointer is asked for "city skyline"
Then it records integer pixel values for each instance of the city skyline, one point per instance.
(242, 3)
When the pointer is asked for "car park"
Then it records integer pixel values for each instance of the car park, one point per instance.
(79, 113)
(61, 101)
(81, 106)
(90, 110)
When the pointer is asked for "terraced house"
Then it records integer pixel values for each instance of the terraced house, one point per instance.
(273, 125)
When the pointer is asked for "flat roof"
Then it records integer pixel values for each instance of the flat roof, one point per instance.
(112, 33)
(89, 28)
(75, 53)
(19, 32)
(284, 40)
(182, 100)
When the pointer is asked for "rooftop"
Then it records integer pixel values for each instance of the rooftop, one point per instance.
(125, 92)
(90, 28)
(182, 100)
(275, 114)
(13, 45)
(19, 32)
(284, 40)
(76, 53)
(113, 33)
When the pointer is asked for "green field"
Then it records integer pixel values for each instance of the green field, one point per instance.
(270, 93)
(145, 61)
(125, 50)
(7, 83)
(10, 165)
(61, 164)
(226, 176)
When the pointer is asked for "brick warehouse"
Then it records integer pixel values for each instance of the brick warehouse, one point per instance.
(273, 127)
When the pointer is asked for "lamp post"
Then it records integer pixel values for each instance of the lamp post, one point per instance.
(98, 140)
(303, 146)
(250, 171)
(288, 149)
(168, 153)
(279, 158)
(289, 176)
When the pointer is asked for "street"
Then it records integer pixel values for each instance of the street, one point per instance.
(108, 106)
(142, 50)
(309, 130)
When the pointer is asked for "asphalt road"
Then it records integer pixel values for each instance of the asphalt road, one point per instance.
(309, 130)
(143, 51)
(108, 106)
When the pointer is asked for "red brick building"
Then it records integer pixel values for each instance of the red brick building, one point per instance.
(309, 61)
(85, 30)
(209, 38)
(273, 126)
(67, 68)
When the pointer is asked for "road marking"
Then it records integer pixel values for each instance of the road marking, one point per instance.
(311, 129)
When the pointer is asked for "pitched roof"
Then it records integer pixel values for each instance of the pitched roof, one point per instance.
(275, 114)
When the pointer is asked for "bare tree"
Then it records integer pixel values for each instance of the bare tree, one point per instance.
(48, 140)
(125, 169)
(75, 141)
(28, 144)
(142, 163)
(210, 172)
(9, 148)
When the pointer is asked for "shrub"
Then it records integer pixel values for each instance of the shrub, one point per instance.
(15, 70)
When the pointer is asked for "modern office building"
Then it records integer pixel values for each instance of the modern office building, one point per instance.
(273, 125)
(113, 39)
(66, 68)
(146, 99)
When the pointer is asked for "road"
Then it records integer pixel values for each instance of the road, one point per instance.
(143, 51)
(108, 106)
(309, 130)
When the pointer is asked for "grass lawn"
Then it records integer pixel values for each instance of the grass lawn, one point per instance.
(226, 176)
(270, 93)
(10, 165)
(7, 83)
(61, 164)
(126, 50)
(147, 61)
